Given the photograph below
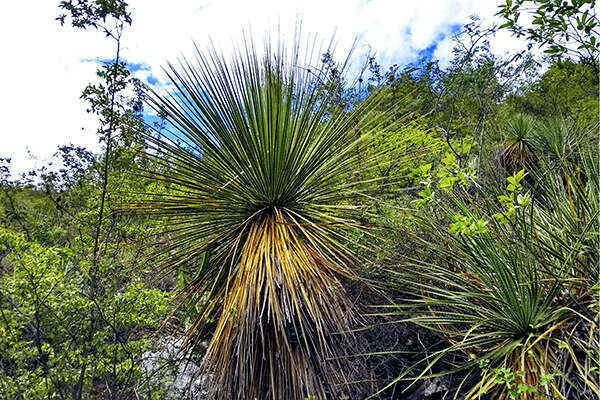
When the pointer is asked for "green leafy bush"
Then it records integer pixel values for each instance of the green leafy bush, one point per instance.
(58, 341)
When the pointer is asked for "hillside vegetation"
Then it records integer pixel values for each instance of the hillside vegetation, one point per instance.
(275, 232)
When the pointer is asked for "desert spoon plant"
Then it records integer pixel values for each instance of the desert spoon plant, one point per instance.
(260, 162)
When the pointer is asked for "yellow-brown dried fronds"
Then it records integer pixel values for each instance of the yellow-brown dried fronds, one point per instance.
(281, 311)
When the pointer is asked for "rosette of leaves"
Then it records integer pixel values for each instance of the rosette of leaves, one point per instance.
(260, 163)
(520, 148)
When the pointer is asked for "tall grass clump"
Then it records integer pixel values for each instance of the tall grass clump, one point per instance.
(259, 161)
(512, 284)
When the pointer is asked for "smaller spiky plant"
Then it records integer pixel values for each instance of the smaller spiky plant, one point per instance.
(512, 288)
(519, 148)
(556, 140)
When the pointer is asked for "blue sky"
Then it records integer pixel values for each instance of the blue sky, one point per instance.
(429, 52)
(49, 66)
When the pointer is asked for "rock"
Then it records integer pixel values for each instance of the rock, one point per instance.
(179, 377)
(435, 388)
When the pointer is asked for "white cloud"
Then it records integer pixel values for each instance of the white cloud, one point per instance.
(44, 73)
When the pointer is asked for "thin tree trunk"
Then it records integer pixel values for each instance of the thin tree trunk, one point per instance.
(481, 140)
(106, 165)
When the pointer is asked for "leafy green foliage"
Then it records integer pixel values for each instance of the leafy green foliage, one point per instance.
(77, 303)
(514, 200)
(94, 13)
(565, 28)
(567, 90)
(51, 343)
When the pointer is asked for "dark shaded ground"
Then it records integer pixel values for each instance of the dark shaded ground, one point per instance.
(386, 348)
